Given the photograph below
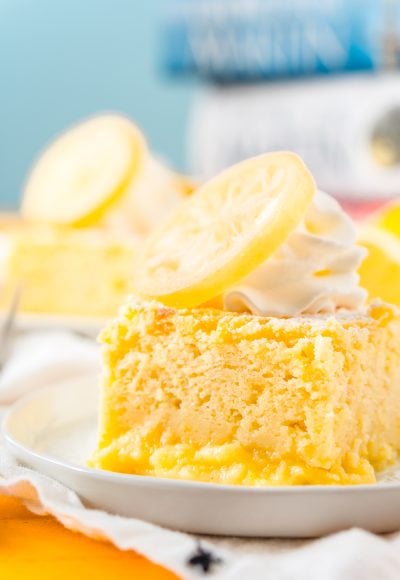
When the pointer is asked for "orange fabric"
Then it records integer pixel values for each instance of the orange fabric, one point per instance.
(39, 548)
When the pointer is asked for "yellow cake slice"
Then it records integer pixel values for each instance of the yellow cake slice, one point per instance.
(289, 379)
(233, 398)
(66, 271)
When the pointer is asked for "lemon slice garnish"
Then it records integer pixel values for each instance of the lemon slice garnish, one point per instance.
(84, 172)
(388, 217)
(380, 270)
(227, 228)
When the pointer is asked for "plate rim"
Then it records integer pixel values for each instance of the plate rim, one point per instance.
(148, 480)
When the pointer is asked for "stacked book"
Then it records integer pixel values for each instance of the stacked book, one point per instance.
(315, 77)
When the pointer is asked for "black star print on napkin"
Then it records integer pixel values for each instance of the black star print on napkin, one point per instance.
(203, 559)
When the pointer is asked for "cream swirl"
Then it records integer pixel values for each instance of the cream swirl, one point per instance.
(314, 271)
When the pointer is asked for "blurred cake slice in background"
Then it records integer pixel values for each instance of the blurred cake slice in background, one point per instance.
(90, 200)
(77, 272)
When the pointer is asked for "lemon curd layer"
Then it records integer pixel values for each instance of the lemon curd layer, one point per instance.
(203, 394)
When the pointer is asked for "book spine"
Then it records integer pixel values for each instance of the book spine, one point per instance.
(232, 40)
(347, 129)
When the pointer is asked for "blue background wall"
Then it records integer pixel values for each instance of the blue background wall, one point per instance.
(61, 60)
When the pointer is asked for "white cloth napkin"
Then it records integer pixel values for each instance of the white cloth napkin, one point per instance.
(38, 359)
(41, 358)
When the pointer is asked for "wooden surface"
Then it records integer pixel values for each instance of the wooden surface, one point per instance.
(34, 547)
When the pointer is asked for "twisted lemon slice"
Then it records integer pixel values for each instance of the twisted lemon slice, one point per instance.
(225, 230)
(388, 217)
(380, 270)
(84, 172)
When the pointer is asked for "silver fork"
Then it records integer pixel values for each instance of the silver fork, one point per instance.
(8, 327)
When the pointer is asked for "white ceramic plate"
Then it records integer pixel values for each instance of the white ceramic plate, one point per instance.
(54, 431)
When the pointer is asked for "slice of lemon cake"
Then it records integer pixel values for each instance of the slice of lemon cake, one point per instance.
(90, 199)
(80, 272)
(235, 398)
(290, 380)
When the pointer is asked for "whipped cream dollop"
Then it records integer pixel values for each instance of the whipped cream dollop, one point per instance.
(313, 272)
